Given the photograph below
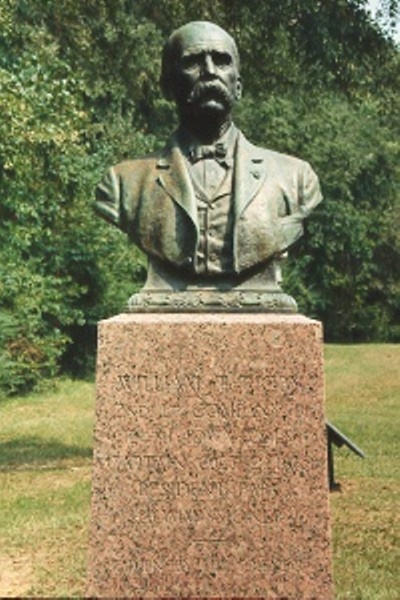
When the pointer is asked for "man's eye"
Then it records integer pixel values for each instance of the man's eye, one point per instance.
(222, 59)
(189, 62)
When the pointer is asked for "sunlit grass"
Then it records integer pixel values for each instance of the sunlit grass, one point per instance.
(363, 394)
(45, 469)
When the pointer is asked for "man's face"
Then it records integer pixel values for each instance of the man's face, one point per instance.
(207, 76)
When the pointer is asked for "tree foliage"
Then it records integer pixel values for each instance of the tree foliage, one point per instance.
(79, 90)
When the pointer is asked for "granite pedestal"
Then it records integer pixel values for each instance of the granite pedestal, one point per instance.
(210, 472)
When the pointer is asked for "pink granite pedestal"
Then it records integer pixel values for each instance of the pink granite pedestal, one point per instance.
(210, 475)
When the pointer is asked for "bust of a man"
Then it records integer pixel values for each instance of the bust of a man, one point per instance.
(213, 213)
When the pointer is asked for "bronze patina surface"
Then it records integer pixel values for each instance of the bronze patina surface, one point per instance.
(213, 213)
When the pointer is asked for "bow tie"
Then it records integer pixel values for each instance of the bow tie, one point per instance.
(217, 151)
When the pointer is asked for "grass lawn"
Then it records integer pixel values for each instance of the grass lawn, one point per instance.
(45, 464)
(363, 400)
(45, 470)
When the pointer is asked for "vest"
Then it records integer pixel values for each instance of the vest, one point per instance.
(214, 253)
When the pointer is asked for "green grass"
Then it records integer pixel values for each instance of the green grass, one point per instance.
(363, 393)
(45, 467)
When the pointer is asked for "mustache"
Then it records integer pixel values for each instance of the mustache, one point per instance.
(214, 89)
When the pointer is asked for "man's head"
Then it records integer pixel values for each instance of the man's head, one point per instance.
(200, 70)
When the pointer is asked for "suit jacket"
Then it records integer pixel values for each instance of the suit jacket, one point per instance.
(152, 200)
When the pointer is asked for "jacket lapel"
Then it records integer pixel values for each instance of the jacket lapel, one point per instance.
(249, 175)
(174, 178)
(250, 172)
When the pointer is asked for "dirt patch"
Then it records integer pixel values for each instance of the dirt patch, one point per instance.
(16, 576)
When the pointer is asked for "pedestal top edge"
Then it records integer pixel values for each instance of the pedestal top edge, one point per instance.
(210, 318)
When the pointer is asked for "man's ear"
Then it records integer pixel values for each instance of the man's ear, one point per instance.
(239, 88)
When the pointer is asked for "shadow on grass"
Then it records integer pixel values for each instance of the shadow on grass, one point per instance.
(27, 451)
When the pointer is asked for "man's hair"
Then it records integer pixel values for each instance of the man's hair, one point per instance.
(171, 50)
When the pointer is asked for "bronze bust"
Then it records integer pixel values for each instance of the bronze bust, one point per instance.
(214, 213)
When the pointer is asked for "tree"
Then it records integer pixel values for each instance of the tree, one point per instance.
(79, 91)
(54, 256)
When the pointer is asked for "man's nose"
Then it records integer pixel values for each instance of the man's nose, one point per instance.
(209, 66)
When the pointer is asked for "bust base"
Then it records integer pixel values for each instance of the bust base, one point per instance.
(209, 300)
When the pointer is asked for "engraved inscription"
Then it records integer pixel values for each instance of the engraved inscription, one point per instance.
(147, 383)
(248, 383)
(201, 457)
